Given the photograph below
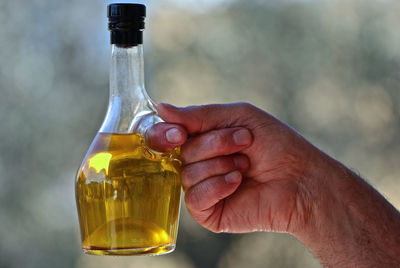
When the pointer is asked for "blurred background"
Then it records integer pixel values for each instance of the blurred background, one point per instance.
(330, 69)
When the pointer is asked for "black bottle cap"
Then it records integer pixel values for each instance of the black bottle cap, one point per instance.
(126, 23)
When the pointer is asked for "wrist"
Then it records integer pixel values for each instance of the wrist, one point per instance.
(330, 222)
(323, 183)
(350, 223)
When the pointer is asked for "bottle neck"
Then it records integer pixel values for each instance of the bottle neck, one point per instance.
(128, 97)
(126, 71)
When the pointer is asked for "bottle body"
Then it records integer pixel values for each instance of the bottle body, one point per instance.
(128, 197)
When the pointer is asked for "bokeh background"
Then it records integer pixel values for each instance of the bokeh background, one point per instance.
(330, 69)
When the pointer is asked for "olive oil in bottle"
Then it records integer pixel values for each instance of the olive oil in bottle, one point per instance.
(128, 196)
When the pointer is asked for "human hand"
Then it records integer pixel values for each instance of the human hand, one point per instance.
(244, 170)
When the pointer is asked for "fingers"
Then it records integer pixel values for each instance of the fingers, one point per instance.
(216, 143)
(205, 186)
(163, 136)
(198, 119)
(194, 173)
(209, 192)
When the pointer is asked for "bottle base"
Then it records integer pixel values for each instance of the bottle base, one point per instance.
(152, 251)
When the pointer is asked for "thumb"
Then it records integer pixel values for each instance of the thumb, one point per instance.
(197, 119)
(163, 136)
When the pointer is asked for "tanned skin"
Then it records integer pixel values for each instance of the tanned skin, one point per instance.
(245, 171)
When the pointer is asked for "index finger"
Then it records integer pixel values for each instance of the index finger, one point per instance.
(216, 143)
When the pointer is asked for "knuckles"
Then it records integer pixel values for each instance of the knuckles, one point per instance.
(190, 200)
(195, 172)
(217, 140)
(188, 175)
(193, 197)
(225, 164)
(245, 107)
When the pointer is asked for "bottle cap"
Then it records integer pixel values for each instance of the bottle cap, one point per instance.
(126, 23)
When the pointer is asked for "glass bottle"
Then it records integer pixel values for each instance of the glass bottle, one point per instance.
(128, 196)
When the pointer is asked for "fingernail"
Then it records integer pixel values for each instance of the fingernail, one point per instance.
(174, 135)
(233, 177)
(242, 137)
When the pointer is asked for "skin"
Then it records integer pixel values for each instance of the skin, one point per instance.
(245, 171)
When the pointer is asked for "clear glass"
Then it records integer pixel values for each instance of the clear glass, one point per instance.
(128, 196)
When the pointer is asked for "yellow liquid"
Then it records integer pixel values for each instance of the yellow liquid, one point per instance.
(128, 197)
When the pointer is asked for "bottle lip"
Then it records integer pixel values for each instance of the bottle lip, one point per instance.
(126, 10)
(126, 23)
(126, 16)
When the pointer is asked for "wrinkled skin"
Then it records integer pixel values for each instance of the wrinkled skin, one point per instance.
(244, 170)
(266, 166)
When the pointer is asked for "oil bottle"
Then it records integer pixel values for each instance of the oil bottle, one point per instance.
(128, 196)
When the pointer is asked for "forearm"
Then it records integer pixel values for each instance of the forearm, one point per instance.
(351, 225)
